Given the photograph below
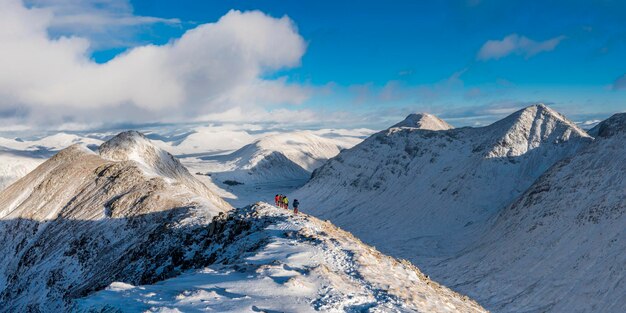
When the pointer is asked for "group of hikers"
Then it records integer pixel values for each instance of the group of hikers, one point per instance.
(283, 202)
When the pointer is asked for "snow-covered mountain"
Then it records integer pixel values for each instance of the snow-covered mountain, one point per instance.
(15, 165)
(80, 221)
(291, 264)
(417, 192)
(284, 156)
(131, 214)
(561, 246)
(203, 140)
(423, 121)
(54, 142)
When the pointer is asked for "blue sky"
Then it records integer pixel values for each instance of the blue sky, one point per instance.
(368, 63)
(372, 43)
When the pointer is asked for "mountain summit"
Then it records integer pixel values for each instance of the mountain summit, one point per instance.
(529, 128)
(134, 146)
(424, 121)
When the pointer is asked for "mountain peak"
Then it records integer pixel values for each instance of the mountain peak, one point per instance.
(541, 113)
(423, 121)
(115, 148)
(530, 127)
(135, 146)
(611, 126)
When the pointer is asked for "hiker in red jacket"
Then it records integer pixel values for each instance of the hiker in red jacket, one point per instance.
(276, 199)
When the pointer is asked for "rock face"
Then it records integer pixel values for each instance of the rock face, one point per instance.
(419, 193)
(80, 221)
(291, 264)
(561, 246)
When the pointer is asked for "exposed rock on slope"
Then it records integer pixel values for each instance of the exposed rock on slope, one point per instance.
(291, 264)
(416, 192)
(79, 222)
(561, 246)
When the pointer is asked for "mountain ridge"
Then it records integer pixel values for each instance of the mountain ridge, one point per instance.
(78, 221)
(431, 191)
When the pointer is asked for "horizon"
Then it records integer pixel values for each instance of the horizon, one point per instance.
(85, 66)
(178, 131)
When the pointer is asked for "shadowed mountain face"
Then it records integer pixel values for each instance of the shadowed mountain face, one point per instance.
(419, 193)
(79, 222)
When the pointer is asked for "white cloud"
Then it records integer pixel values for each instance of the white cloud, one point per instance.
(106, 23)
(515, 44)
(209, 69)
(94, 14)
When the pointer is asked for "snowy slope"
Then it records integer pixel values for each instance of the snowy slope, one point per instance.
(15, 165)
(206, 140)
(79, 222)
(275, 262)
(417, 193)
(284, 156)
(561, 246)
(18, 157)
(54, 142)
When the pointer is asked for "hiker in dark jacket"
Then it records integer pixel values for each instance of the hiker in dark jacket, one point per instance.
(296, 203)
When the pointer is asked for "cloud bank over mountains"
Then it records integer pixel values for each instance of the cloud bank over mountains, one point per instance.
(73, 65)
